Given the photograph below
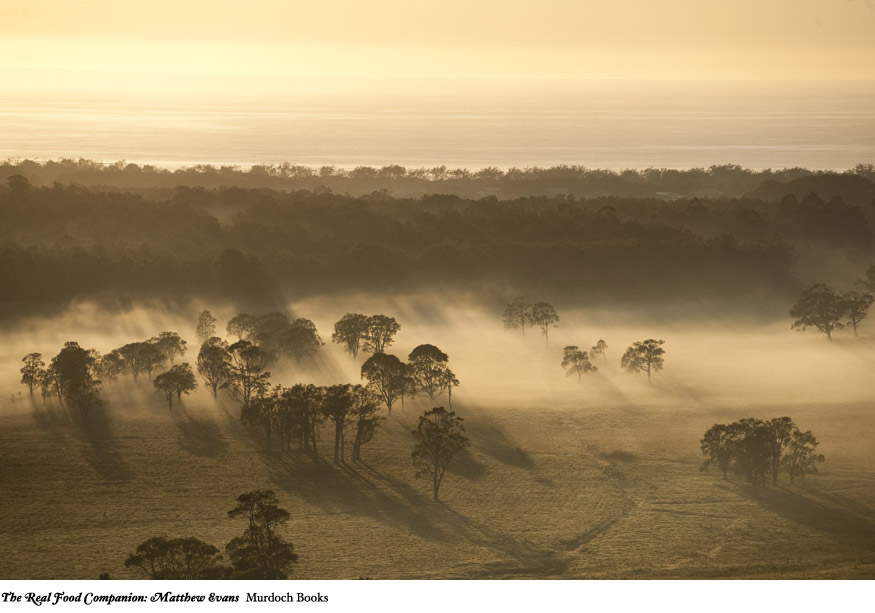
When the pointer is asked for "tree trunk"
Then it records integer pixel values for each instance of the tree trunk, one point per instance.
(450, 395)
(267, 434)
(436, 486)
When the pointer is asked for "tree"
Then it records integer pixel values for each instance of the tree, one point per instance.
(544, 317)
(161, 557)
(856, 307)
(141, 357)
(243, 326)
(364, 417)
(780, 434)
(868, 284)
(337, 405)
(300, 340)
(350, 331)
(247, 374)
(517, 315)
(49, 383)
(719, 444)
(263, 410)
(380, 333)
(111, 366)
(170, 345)
(644, 356)
(32, 370)
(299, 412)
(600, 348)
(449, 382)
(428, 366)
(177, 381)
(206, 326)
(260, 552)
(385, 375)
(75, 369)
(819, 307)
(212, 364)
(576, 362)
(439, 436)
(802, 458)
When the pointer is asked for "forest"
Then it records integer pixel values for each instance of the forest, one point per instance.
(260, 246)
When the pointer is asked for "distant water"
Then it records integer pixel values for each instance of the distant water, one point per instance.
(818, 128)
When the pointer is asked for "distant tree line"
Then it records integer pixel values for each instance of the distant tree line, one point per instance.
(82, 242)
(728, 179)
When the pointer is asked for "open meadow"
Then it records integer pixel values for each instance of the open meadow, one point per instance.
(597, 479)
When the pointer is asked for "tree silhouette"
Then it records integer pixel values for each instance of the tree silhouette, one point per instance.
(719, 444)
(380, 333)
(260, 552)
(110, 366)
(644, 356)
(170, 345)
(544, 317)
(75, 368)
(600, 348)
(350, 331)
(247, 373)
(161, 557)
(517, 315)
(213, 362)
(337, 405)
(428, 367)
(243, 326)
(439, 436)
(385, 375)
(177, 381)
(32, 371)
(364, 417)
(206, 326)
(801, 458)
(819, 307)
(576, 362)
(856, 307)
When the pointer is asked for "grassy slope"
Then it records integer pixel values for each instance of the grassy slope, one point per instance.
(550, 492)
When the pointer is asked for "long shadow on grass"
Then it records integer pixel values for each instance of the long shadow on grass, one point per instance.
(527, 559)
(103, 454)
(836, 518)
(491, 440)
(342, 488)
(199, 437)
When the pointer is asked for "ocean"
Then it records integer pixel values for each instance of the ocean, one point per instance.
(824, 125)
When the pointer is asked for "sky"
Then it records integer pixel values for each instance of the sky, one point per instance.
(273, 44)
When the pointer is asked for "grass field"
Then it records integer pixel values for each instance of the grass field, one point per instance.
(562, 480)
(543, 493)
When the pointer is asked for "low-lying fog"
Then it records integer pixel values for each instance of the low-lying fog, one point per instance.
(725, 363)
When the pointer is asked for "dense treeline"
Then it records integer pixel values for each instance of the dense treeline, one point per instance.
(252, 245)
(727, 180)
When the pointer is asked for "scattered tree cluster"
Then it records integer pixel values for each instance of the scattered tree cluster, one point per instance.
(822, 308)
(759, 450)
(261, 552)
(520, 314)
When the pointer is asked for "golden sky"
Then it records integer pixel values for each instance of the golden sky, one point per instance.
(280, 44)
